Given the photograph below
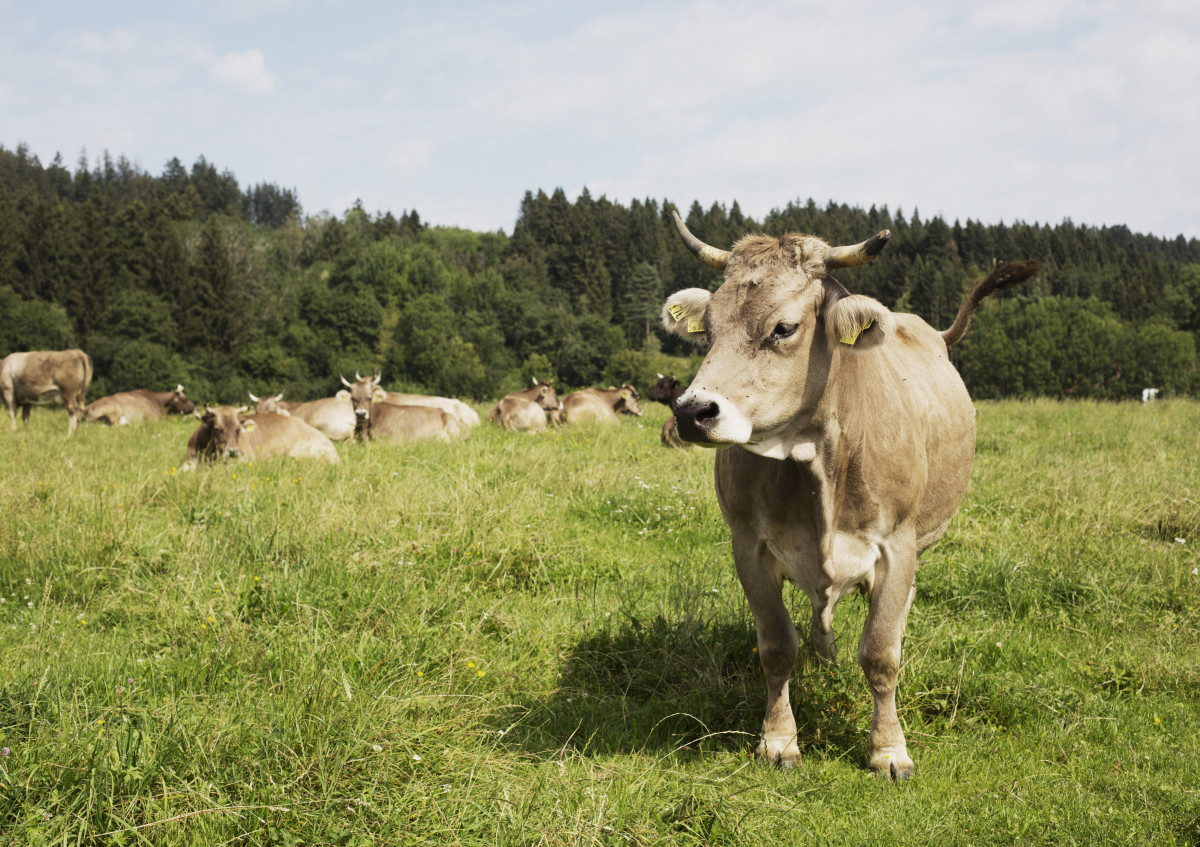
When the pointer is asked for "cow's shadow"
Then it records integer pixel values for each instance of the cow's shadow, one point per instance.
(685, 686)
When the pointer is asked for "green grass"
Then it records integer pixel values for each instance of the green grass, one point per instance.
(540, 640)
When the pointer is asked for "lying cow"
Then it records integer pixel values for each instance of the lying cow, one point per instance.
(601, 404)
(224, 434)
(390, 422)
(45, 377)
(666, 391)
(128, 407)
(364, 387)
(529, 410)
(333, 416)
(850, 439)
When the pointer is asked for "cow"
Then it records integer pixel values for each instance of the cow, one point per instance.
(223, 433)
(1149, 395)
(44, 377)
(666, 391)
(391, 422)
(333, 416)
(128, 407)
(364, 389)
(849, 439)
(529, 410)
(601, 404)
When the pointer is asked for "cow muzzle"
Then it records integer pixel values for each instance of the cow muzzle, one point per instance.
(703, 417)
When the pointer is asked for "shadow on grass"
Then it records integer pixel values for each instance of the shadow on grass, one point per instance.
(683, 685)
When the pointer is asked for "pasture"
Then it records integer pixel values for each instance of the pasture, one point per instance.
(541, 640)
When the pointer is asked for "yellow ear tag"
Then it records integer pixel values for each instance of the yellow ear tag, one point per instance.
(852, 337)
(248, 426)
(624, 395)
(695, 325)
(379, 396)
(675, 310)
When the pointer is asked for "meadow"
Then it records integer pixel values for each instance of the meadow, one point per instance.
(541, 640)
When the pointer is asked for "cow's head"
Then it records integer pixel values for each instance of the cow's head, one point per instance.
(629, 401)
(268, 405)
(774, 328)
(364, 393)
(544, 395)
(179, 403)
(664, 389)
(224, 429)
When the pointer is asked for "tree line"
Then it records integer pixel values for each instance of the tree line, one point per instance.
(189, 277)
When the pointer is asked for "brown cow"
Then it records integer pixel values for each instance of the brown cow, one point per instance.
(390, 422)
(529, 410)
(128, 407)
(224, 434)
(601, 404)
(333, 416)
(364, 389)
(666, 391)
(45, 377)
(850, 439)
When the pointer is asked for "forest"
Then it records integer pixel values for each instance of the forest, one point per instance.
(189, 277)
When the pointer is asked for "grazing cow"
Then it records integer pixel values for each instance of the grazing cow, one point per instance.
(128, 407)
(223, 433)
(364, 389)
(666, 391)
(529, 410)
(333, 416)
(850, 439)
(601, 404)
(45, 377)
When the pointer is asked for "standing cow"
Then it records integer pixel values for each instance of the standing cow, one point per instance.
(667, 391)
(601, 404)
(45, 377)
(850, 439)
(528, 410)
(128, 407)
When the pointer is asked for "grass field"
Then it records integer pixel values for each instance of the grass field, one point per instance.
(541, 640)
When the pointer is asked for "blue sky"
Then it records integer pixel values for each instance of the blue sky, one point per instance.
(1036, 110)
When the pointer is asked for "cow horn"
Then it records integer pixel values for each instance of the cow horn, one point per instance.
(345, 381)
(357, 377)
(857, 254)
(711, 256)
(252, 397)
(278, 396)
(179, 388)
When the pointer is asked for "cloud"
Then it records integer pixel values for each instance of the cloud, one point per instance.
(245, 72)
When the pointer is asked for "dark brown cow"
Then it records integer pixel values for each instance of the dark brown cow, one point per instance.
(529, 410)
(333, 416)
(128, 407)
(850, 439)
(666, 391)
(224, 434)
(45, 377)
(601, 404)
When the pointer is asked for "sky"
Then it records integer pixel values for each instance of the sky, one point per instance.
(1030, 110)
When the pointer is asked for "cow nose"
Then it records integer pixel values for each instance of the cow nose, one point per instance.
(362, 413)
(694, 419)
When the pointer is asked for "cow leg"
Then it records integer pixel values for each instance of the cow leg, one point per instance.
(72, 416)
(25, 410)
(762, 581)
(890, 597)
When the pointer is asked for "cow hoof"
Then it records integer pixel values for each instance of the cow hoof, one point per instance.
(779, 751)
(892, 766)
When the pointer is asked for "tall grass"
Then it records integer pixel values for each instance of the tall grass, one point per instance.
(540, 640)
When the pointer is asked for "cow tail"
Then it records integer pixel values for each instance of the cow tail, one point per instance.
(85, 364)
(1005, 275)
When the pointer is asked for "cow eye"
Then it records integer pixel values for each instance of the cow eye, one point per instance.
(782, 331)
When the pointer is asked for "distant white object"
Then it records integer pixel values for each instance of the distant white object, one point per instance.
(1149, 394)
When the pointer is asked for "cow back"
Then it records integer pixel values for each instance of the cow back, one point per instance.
(390, 422)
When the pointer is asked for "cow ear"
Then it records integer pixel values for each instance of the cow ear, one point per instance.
(248, 426)
(858, 322)
(378, 395)
(683, 314)
(342, 395)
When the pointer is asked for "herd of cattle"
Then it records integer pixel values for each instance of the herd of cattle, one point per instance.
(277, 427)
(851, 436)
